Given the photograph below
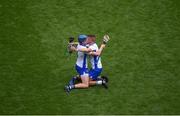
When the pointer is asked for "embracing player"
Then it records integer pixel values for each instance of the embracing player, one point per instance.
(88, 77)
(95, 59)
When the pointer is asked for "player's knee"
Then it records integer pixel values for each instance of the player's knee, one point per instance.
(87, 85)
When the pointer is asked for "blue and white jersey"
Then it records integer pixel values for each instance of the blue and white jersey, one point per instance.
(95, 60)
(81, 57)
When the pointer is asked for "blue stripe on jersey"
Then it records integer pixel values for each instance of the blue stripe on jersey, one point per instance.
(95, 62)
(98, 59)
(84, 61)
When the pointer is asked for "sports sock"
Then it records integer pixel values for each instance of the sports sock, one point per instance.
(99, 82)
(71, 87)
(72, 81)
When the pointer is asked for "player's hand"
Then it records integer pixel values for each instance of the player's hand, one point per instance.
(103, 45)
(105, 39)
(69, 48)
(72, 48)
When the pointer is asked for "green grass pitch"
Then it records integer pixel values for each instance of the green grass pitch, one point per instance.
(142, 59)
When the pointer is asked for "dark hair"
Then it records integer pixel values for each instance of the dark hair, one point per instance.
(91, 35)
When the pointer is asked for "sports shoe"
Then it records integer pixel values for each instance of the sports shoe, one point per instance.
(67, 89)
(104, 83)
(105, 78)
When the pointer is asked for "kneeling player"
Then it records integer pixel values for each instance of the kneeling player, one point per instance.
(96, 69)
(81, 65)
(96, 65)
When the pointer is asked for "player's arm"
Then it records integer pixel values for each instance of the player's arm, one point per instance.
(71, 44)
(103, 45)
(75, 49)
(99, 52)
(85, 49)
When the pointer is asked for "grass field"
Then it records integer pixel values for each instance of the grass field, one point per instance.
(142, 59)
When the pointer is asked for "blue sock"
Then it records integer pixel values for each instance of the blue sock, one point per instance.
(71, 87)
(72, 81)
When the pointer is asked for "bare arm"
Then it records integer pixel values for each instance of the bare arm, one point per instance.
(85, 49)
(72, 48)
(99, 52)
(103, 45)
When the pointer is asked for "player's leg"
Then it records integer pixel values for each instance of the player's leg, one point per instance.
(105, 78)
(74, 79)
(94, 80)
(98, 82)
(84, 77)
(85, 82)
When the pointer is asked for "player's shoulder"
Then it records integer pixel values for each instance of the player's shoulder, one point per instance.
(95, 45)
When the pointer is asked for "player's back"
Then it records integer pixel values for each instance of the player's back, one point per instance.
(81, 57)
(95, 60)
